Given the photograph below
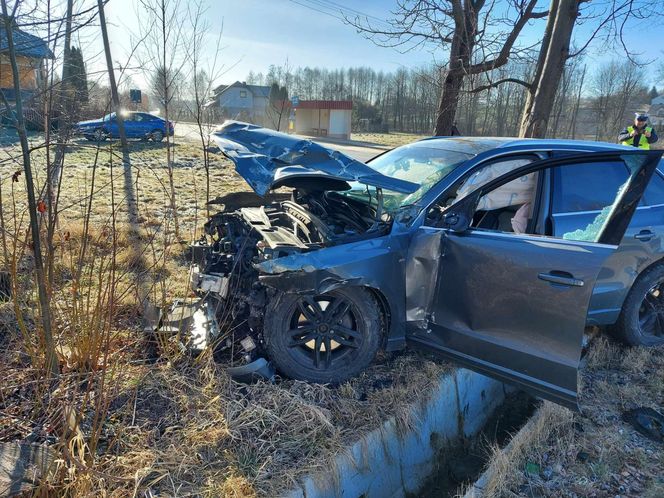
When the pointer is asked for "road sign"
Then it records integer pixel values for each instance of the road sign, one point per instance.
(135, 96)
(295, 101)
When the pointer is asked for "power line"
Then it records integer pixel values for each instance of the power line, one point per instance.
(354, 11)
(307, 6)
(337, 10)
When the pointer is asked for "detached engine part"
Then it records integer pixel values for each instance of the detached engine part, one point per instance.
(258, 369)
(208, 282)
(196, 322)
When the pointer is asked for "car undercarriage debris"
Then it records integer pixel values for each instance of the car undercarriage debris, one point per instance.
(646, 421)
(196, 321)
(257, 369)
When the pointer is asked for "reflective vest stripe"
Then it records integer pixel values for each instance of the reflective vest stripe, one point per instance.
(643, 140)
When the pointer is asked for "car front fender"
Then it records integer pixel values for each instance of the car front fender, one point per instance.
(377, 263)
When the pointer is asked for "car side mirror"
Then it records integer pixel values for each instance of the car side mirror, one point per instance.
(455, 221)
(459, 216)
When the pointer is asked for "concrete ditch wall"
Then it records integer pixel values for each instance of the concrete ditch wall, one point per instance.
(388, 464)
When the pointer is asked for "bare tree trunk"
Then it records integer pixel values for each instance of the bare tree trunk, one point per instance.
(54, 171)
(577, 104)
(550, 65)
(51, 365)
(561, 99)
(66, 100)
(461, 48)
(449, 99)
(487, 110)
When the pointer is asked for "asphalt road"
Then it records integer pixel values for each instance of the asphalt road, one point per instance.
(357, 150)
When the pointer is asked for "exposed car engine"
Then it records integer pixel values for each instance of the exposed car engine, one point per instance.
(229, 312)
(234, 289)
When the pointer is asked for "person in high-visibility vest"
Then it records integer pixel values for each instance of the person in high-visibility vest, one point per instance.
(640, 135)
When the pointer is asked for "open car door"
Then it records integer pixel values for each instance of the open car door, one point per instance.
(514, 306)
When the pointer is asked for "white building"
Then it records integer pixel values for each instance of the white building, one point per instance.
(657, 112)
(325, 118)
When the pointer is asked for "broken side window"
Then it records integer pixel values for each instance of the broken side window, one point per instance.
(580, 206)
(583, 195)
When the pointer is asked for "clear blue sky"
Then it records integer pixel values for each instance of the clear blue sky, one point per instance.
(257, 33)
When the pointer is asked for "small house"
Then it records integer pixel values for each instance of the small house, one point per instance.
(243, 102)
(31, 51)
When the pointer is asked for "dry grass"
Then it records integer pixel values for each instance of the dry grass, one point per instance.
(265, 436)
(122, 424)
(394, 139)
(593, 454)
(184, 428)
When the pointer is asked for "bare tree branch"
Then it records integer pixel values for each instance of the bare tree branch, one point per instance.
(504, 54)
(500, 82)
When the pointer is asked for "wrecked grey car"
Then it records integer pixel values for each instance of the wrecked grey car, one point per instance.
(478, 249)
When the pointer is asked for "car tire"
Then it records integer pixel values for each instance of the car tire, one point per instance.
(641, 320)
(100, 135)
(157, 135)
(295, 325)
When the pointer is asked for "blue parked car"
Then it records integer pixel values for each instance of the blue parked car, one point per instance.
(137, 125)
(493, 252)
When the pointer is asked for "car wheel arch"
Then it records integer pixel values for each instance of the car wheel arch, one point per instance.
(624, 327)
(636, 274)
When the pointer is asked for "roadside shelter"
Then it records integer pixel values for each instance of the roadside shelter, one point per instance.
(325, 118)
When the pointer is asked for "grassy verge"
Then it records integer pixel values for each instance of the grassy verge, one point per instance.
(593, 453)
(121, 423)
(394, 139)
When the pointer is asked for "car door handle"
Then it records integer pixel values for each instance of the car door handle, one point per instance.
(644, 235)
(561, 278)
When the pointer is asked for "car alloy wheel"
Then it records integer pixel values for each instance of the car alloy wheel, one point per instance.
(641, 320)
(323, 330)
(157, 136)
(323, 338)
(651, 313)
(100, 135)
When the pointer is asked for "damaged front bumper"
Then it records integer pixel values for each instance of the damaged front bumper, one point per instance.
(196, 328)
(203, 322)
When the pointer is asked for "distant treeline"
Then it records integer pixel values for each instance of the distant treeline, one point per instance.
(592, 101)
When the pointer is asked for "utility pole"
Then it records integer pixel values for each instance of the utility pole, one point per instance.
(114, 87)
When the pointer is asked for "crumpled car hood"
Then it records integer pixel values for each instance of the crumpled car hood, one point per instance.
(268, 159)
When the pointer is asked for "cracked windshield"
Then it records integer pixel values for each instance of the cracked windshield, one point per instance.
(425, 166)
